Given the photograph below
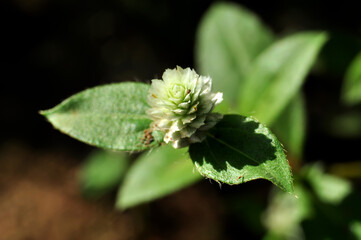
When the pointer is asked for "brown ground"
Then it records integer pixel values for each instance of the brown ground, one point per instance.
(40, 199)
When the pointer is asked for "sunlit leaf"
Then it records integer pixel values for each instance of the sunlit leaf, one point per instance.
(240, 149)
(155, 174)
(229, 37)
(278, 74)
(351, 92)
(102, 172)
(110, 116)
(290, 126)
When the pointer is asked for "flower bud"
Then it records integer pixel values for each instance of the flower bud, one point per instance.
(181, 106)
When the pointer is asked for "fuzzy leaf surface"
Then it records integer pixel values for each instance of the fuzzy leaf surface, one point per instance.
(111, 116)
(240, 149)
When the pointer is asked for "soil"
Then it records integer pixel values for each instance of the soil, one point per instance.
(40, 199)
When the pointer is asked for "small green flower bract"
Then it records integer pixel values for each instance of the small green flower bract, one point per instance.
(181, 106)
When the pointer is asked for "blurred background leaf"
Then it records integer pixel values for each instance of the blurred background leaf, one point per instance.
(323, 209)
(355, 228)
(155, 174)
(331, 199)
(229, 37)
(346, 124)
(351, 92)
(102, 172)
(328, 188)
(285, 213)
(290, 127)
(277, 75)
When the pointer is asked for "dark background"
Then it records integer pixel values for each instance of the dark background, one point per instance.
(52, 49)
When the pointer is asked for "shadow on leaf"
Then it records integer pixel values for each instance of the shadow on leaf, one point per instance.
(237, 147)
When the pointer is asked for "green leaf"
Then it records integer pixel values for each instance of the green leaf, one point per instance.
(285, 213)
(329, 188)
(351, 92)
(278, 74)
(102, 172)
(290, 126)
(110, 116)
(240, 149)
(355, 228)
(229, 37)
(155, 174)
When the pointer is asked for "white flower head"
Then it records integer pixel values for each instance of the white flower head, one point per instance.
(181, 106)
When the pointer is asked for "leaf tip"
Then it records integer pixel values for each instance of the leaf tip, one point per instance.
(119, 206)
(324, 36)
(44, 113)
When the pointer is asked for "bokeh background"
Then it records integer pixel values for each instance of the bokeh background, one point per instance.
(52, 49)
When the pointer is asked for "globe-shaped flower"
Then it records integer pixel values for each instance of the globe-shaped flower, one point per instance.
(181, 106)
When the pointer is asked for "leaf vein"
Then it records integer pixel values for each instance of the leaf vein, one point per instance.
(242, 153)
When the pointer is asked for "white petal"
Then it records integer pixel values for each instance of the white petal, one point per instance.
(184, 142)
(217, 98)
(211, 121)
(176, 126)
(207, 85)
(156, 112)
(198, 122)
(205, 107)
(187, 132)
(164, 124)
(180, 111)
(194, 138)
(188, 118)
(175, 135)
(199, 136)
(187, 97)
(194, 108)
(184, 104)
(170, 76)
